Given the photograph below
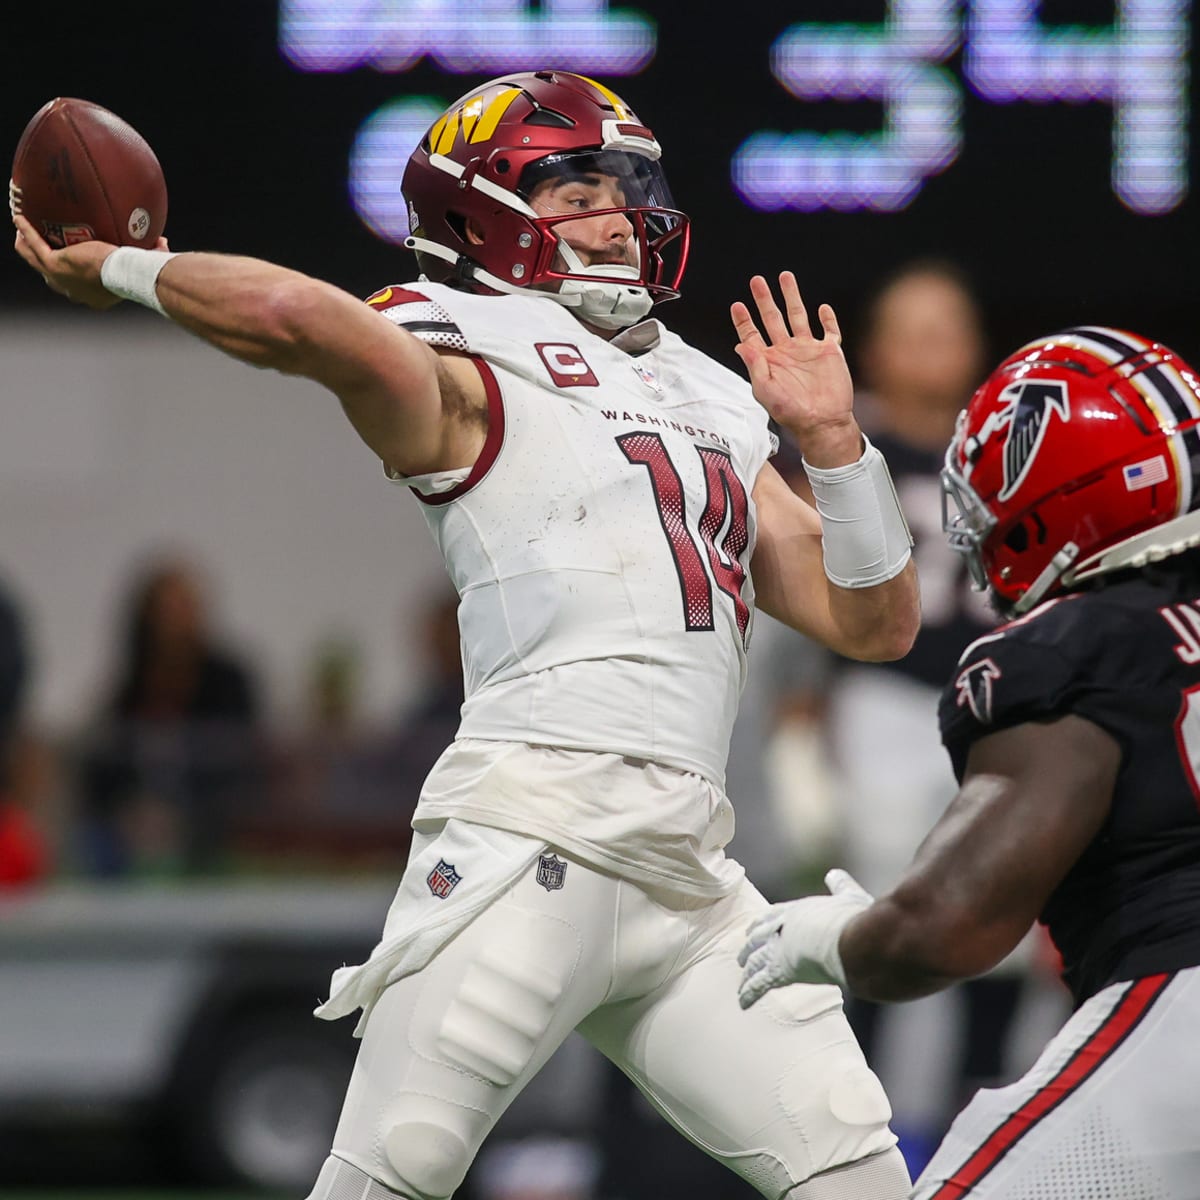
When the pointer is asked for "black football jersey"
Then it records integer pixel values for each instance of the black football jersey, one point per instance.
(1126, 657)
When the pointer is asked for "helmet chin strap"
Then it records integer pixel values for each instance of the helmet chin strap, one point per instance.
(1055, 570)
(606, 305)
(1151, 545)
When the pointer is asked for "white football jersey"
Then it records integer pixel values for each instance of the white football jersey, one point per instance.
(601, 544)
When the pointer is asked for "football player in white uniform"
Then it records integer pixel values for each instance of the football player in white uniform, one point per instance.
(602, 496)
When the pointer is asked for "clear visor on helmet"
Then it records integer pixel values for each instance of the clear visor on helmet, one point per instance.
(567, 189)
(582, 181)
(966, 520)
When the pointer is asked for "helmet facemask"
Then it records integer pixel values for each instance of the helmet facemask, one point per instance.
(966, 520)
(629, 192)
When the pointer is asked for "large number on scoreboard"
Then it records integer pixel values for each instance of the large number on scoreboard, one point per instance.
(1138, 65)
(723, 527)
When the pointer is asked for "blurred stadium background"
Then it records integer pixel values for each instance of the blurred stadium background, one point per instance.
(157, 963)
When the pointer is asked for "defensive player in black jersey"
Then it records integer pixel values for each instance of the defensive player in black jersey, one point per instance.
(1073, 488)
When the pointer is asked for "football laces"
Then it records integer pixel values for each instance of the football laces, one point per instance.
(14, 199)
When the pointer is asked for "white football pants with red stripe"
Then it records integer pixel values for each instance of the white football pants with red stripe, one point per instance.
(1110, 1109)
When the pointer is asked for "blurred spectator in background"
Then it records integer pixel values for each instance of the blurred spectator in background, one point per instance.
(344, 787)
(23, 855)
(327, 805)
(921, 354)
(778, 772)
(334, 691)
(14, 663)
(176, 746)
(336, 798)
(430, 722)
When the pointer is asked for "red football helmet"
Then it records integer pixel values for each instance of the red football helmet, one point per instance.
(1079, 455)
(469, 182)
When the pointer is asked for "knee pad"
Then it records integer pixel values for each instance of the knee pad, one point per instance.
(839, 1103)
(429, 1159)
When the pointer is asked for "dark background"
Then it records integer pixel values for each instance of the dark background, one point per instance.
(255, 154)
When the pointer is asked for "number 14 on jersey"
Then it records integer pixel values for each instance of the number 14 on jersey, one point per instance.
(722, 527)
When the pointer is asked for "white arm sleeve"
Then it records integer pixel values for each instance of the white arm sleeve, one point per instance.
(866, 538)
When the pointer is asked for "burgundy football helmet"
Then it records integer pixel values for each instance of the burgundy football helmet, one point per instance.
(1079, 455)
(479, 164)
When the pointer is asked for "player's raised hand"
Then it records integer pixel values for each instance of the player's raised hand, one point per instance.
(73, 272)
(801, 380)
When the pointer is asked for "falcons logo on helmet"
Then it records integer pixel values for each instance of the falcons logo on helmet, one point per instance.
(1027, 408)
(975, 689)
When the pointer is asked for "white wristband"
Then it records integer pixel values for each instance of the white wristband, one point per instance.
(865, 536)
(132, 274)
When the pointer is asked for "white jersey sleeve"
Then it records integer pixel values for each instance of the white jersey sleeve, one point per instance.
(422, 317)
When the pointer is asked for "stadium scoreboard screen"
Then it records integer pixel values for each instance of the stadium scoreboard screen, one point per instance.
(1136, 65)
(1046, 145)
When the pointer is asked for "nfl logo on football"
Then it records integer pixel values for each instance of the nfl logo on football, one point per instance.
(58, 234)
(443, 879)
(550, 872)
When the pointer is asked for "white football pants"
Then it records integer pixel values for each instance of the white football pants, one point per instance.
(779, 1093)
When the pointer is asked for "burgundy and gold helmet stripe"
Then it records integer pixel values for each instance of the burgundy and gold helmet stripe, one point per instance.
(477, 120)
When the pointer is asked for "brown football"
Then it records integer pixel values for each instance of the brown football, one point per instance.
(82, 174)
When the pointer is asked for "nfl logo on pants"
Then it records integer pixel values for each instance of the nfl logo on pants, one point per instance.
(443, 879)
(550, 872)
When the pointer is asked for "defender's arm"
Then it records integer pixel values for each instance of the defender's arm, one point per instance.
(1033, 798)
(1031, 801)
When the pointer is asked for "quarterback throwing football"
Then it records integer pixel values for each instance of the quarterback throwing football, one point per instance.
(602, 496)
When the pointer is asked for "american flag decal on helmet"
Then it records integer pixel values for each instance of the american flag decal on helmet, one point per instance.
(1169, 397)
(1146, 474)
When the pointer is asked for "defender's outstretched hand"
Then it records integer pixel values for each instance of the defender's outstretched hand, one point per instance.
(801, 380)
(797, 942)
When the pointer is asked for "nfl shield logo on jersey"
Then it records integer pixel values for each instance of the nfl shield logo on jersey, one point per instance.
(647, 376)
(443, 879)
(550, 871)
